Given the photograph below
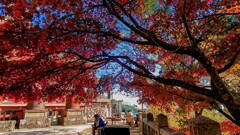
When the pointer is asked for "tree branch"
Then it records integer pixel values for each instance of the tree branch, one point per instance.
(187, 28)
(213, 15)
(171, 82)
(185, 22)
(115, 58)
(148, 35)
(127, 14)
(224, 113)
(108, 34)
(230, 61)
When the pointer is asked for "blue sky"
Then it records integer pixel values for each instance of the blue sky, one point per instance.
(0, 9)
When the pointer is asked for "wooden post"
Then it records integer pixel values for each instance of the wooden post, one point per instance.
(204, 126)
(144, 115)
(149, 119)
(144, 126)
(140, 121)
(162, 121)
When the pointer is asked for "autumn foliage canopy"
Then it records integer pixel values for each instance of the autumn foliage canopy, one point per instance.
(183, 52)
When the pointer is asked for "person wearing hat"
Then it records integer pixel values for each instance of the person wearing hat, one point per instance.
(99, 122)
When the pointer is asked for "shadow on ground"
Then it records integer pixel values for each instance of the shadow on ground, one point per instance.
(69, 130)
(87, 131)
(61, 130)
(42, 132)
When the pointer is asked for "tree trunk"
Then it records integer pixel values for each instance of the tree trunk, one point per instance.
(70, 103)
(36, 105)
(226, 97)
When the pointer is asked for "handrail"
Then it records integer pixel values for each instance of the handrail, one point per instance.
(159, 127)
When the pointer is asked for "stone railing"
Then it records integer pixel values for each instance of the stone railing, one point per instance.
(7, 125)
(204, 126)
(35, 119)
(198, 126)
(158, 127)
(9, 120)
(72, 117)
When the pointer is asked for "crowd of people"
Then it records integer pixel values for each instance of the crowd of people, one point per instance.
(130, 119)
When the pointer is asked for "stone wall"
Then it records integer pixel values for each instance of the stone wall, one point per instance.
(7, 126)
(72, 117)
(35, 119)
(99, 109)
(158, 127)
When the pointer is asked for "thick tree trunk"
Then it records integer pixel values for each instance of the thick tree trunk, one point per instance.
(226, 97)
(31, 120)
(70, 103)
(36, 105)
(234, 109)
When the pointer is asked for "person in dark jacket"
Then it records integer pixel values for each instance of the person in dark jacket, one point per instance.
(99, 122)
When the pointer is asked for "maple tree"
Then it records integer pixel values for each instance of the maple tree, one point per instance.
(49, 49)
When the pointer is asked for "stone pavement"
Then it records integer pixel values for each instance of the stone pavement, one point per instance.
(61, 130)
(53, 130)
